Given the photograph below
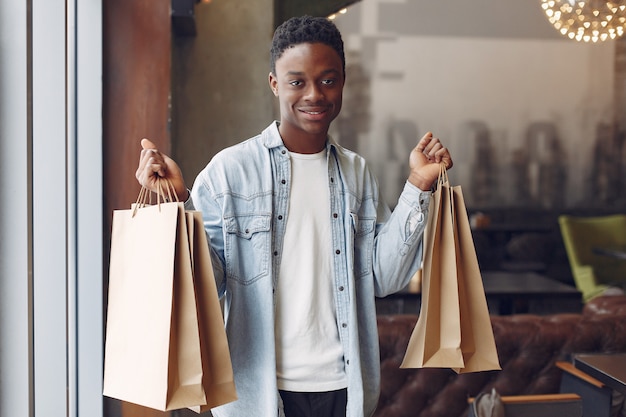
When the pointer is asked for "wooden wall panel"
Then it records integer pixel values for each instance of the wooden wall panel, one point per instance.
(137, 61)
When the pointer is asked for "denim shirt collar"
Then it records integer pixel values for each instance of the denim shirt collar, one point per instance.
(272, 138)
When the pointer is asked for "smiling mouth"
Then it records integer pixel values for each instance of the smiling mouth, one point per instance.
(313, 112)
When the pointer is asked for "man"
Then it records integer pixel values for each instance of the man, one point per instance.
(301, 243)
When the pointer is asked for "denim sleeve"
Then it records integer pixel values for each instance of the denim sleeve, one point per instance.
(203, 200)
(398, 245)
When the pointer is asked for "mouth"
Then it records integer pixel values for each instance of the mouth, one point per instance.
(314, 113)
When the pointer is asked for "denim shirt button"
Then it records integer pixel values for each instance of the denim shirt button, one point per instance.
(335, 215)
(344, 325)
(275, 253)
(337, 251)
(341, 288)
(280, 217)
(283, 181)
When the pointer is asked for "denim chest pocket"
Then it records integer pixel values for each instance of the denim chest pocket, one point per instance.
(363, 237)
(247, 241)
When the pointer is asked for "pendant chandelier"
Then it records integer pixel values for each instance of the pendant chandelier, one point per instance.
(587, 21)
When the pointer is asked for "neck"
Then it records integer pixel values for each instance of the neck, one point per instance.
(303, 143)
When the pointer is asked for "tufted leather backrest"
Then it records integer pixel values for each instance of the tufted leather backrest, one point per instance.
(606, 304)
(528, 347)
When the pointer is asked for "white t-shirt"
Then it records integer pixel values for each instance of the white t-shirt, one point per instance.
(309, 352)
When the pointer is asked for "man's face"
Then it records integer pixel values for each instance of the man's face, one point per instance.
(308, 82)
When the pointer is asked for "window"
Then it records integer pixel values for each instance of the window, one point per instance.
(51, 290)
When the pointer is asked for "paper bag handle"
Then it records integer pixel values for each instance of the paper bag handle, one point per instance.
(165, 193)
(443, 174)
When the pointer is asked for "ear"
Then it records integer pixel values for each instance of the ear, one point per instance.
(273, 83)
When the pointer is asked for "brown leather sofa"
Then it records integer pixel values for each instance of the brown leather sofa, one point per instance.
(528, 348)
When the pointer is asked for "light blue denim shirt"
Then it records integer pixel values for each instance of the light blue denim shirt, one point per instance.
(243, 194)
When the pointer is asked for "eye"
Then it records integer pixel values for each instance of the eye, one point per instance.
(295, 83)
(328, 82)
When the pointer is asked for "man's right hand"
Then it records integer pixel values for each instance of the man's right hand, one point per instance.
(154, 165)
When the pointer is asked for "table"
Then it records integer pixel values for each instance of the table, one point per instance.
(609, 369)
(507, 293)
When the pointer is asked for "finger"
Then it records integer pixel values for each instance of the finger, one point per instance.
(443, 156)
(147, 144)
(151, 165)
(146, 152)
(152, 156)
(429, 145)
(156, 165)
(432, 149)
(421, 145)
(147, 157)
(146, 171)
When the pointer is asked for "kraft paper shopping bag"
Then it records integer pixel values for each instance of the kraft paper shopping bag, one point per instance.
(436, 338)
(477, 341)
(217, 378)
(152, 349)
(454, 329)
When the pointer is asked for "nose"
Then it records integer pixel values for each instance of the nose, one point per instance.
(314, 92)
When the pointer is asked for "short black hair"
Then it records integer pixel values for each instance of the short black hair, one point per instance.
(305, 29)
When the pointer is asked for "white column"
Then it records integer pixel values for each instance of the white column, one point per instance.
(51, 257)
(89, 209)
(15, 206)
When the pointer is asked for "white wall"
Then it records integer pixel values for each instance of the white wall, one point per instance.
(446, 65)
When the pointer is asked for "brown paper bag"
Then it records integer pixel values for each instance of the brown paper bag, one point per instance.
(152, 349)
(436, 339)
(477, 341)
(454, 328)
(166, 347)
(217, 376)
